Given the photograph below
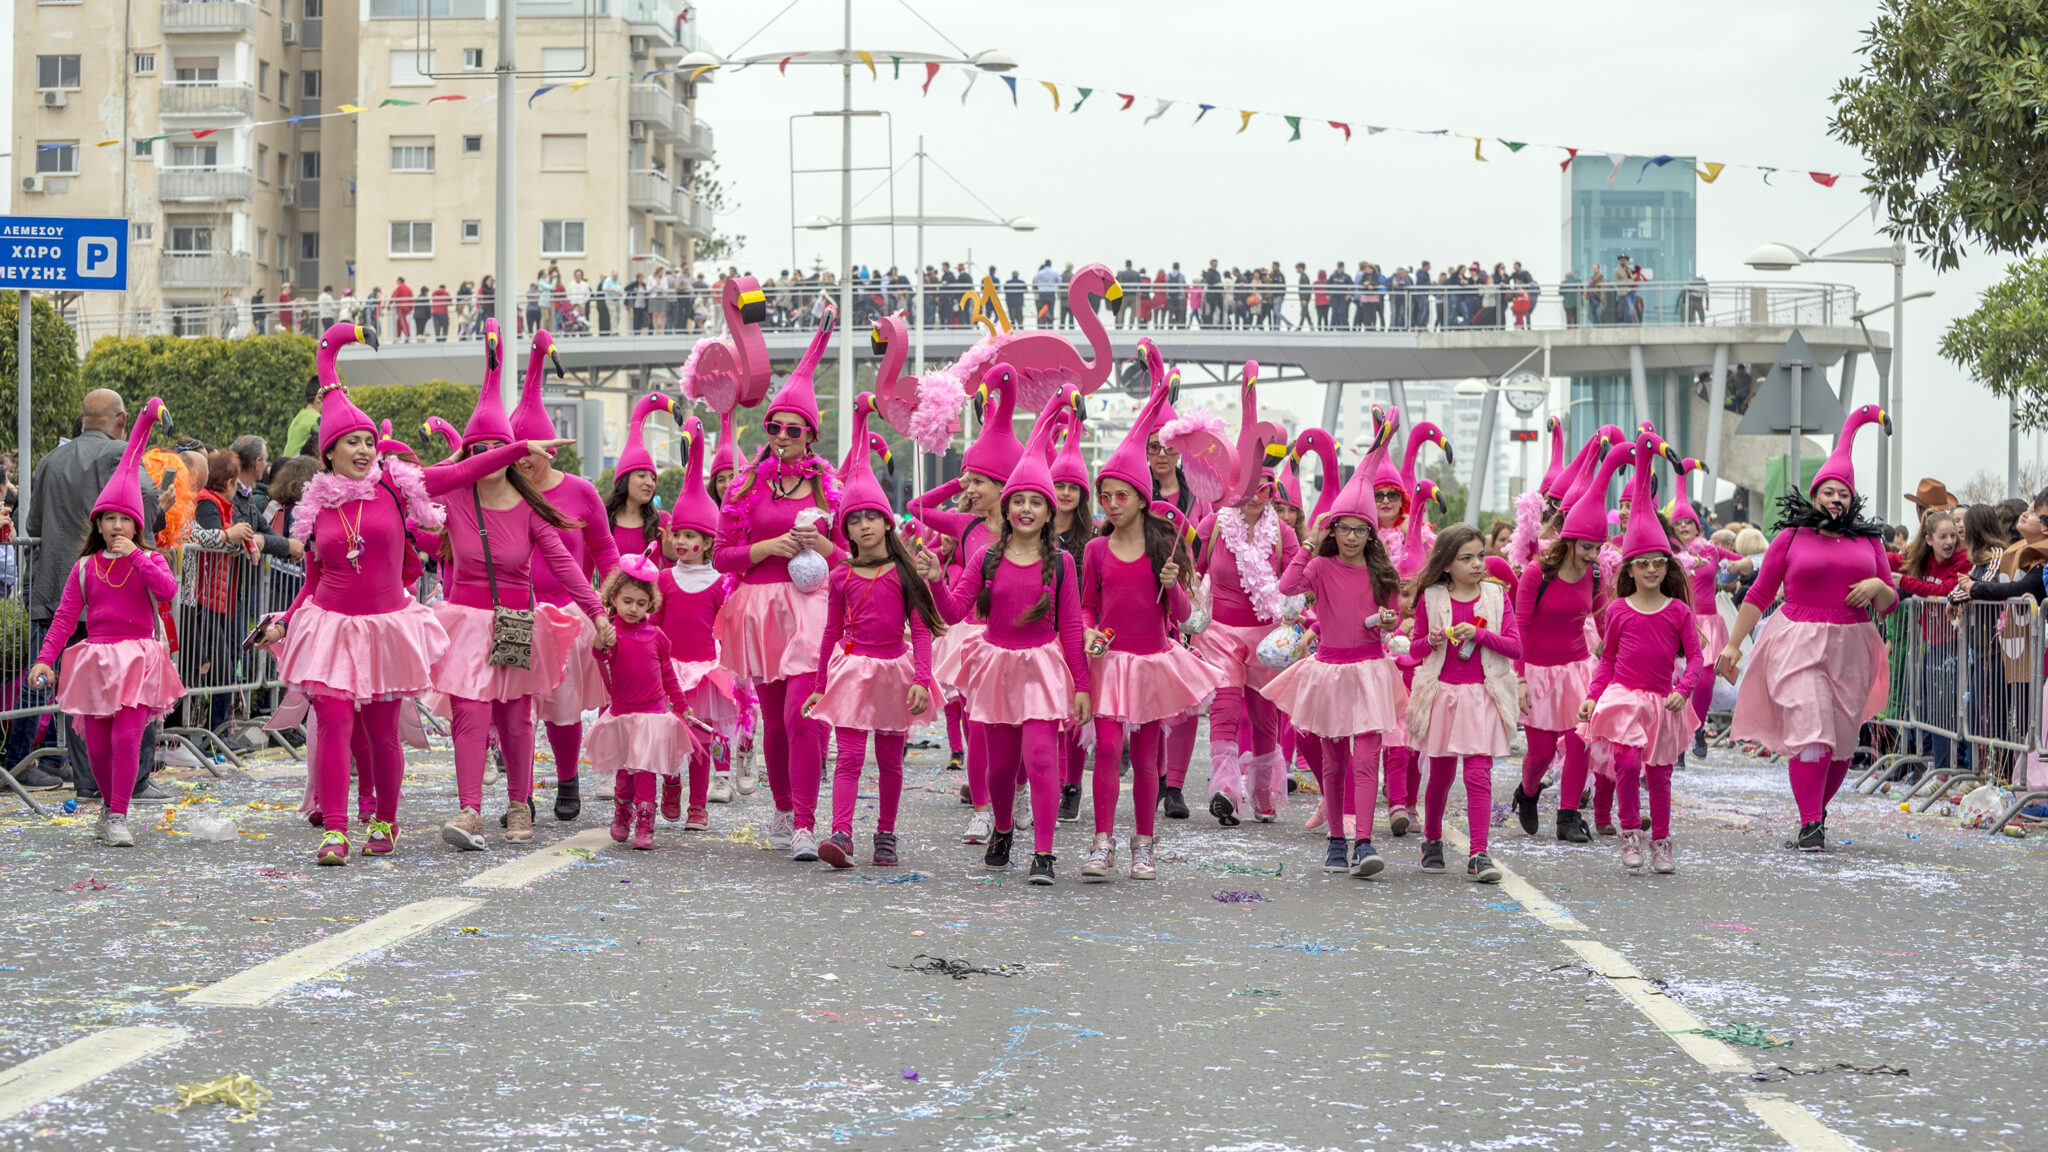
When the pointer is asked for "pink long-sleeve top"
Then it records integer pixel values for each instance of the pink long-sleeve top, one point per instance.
(1228, 603)
(518, 534)
(867, 617)
(1816, 571)
(636, 541)
(1708, 558)
(1015, 589)
(687, 617)
(591, 546)
(1501, 636)
(1637, 649)
(1347, 609)
(639, 671)
(377, 580)
(115, 596)
(1553, 630)
(772, 516)
(935, 508)
(1124, 595)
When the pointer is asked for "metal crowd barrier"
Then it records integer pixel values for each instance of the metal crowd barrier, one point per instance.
(20, 704)
(221, 596)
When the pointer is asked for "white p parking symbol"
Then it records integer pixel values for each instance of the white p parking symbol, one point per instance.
(95, 256)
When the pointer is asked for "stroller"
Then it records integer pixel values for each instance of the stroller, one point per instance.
(568, 319)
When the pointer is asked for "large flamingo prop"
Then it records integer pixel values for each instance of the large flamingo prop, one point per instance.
(1045, 361)
(927, 408)
(730, 373)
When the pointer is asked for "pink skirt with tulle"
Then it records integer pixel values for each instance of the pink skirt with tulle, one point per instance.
(949, 652)
(1233, 649)
(1555, 693)
(1633, 718)
(657, 742)
(466, 671)
(1138, 689)
(383, 656)
(103, 677)
(1713, 638)
(707, 690)
(582, 688)
(1012, 685)
(770, 632)
(1463, 721)
(1811, 683)
(1339, 700)
(871, 694)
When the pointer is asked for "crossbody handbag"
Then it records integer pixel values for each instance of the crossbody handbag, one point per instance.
(511, 628)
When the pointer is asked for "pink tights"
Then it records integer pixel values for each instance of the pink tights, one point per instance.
(1180, 749)
(1030, 750)
(472, 721)
(566, 742)
(1404, 776)
(114, 745)
(1628, 788)
(956, 726)
(1478, 773)
(1542, 750)
(853, 747)
(1073, 760)
(1815, 780)
(977, 763)
(793, 745)
(369, 734)
(1148, 743)
(1351, 773)
(1571, 783)
(1233, 705)
(635, 787)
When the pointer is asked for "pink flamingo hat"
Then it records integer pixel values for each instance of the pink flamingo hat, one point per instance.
(1414, 549)
(798, 397)
(1556, 454)
(858, 489)
(1290, 484)
(727, 458)
(635, 457)
(1645, 532)
(123, 492)
(1356, 499)
(489, 424)
(1324, 446)
(338, 416)
(1590, 458)
(1129, 463)
(1068, 466)
(434, 426)
(386, 446)
(693, 507)
(1423, 433)
(1681, 507)
(1034, 470)
(995, 451)
(530, 420)
(1587, 517)
(1839, 466)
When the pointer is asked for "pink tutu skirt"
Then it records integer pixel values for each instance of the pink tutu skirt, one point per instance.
(657, 742)
(1463, 721)
(707, 689)
(582, 688)
(1339, 700)
(383, 656)
(950, 651)
(1555, 693)
(1634, 718)
(103, 677)
(1234, 652)
(770, 632)
(1012, 685)
(1811, 683)
(466, 671)
(870, 694)
(1157, 686)
(1713, 638)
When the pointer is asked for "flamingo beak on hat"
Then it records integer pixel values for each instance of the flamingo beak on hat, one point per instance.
(366, 335)
(1669, 453)
(1884, 420)
(1444, 442)
(980, 399)
(491, 351)
(1552, 423)
(1436, 497)
(556, 359)
(668, 403)
(1173, 384)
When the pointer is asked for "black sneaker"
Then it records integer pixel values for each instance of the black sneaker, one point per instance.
(36, 779)
(1070, 803)
(568, 798)
(1480, 869)
(1365, 860)
(1041, 868)
(1432, 855)
(531, 811)
(997, 854)
(1699, 743)
(1223, 810)
(148, 793)
(1525, 808)
(953, 765)
(1173, 803)
(1813, 837)
(1571, 827)
(1337, 858)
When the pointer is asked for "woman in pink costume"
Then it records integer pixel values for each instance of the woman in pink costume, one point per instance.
(1702, 560)
(1292, 515)
(1461, 710)
(1073, 526)
(873, 680)
(1346, 697)
(591, 546)
(733, 761)
(692, 592)
(644, 731)
(780, 506)
(1027, 678)
(1635, 718)
(492, 505)
(355, 641)
(629, 509)
(120, 677)
(1820, 670)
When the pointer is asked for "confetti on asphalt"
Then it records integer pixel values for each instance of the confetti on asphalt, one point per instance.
(1239, 896)
(957, 969)
(239, 1091)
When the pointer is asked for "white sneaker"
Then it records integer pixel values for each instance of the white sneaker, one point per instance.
(979, 828)
(745, 776)
(99, 827)
(803, 845)
(721, 788)
(1020, 810)
(781, 830)
(1101, 860)
(118, 835)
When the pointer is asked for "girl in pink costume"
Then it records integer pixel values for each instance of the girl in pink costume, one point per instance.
(873, 681)
(734, 769)
(591, 546)
(1291, 514)
(1462, 706)
(120, 677)
(1635, 718)
(355, 641)
(1820, 670)
(768, 632)
(1702, 560)
(629, 508)
(644, 731)
(1170, 485)
(490, 505)
(692, 592)
(1346, 697)
(1073, 527)
(1028, 676)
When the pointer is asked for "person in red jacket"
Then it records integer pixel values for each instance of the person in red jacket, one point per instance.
(401, 310)
(1935, 560)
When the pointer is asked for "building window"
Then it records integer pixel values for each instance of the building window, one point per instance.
(472, 231)
(472, 145)
(309, 245)
(57, 158)
(309, 165)
(561, 59)
(145, 63)
(412, 237)
(57, 72)
(263, 79)
(196, 69)
(284, 250)
(145, 149)
(141, 232)
(284, 86)
(561, 237)
(472, 58)
(309, 85)
(314, 9)
(263, 167)
(412, 153)
(262, 245)
(411, 67)
(191, 240)
(200, 155)
(565, 153)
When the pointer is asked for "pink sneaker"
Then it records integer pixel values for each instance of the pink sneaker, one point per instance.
(1316, 819)
(333, 850)
(698, 821)
(382, 839)
(671, 798)
(1632, 849)
(622, 820)
(643, 826)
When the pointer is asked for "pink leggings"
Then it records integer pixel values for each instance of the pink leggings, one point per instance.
(793, 746)
(114, 745)
(853, 748)
(473, 721)
(1148, 744)
(977, 763)
(1030, 750)
(1289, 743)
(1628, 788)
(700, 779)
(956, 726)
(1814, 782)
(1404, 776)
(1233, 705)
(635, 788)
(1350, 774)
(1478, 797)
(1542, 750)
(1074, 761)
(369, 734)
(1180, 749)
(566, 742)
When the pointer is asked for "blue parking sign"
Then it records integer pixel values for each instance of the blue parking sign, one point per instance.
(64, 253)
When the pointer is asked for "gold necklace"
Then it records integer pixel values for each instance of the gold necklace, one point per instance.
(354, 535)
(106, 574)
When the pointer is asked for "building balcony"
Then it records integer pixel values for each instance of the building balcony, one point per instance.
(188, 185)
(681, 205)
(202, 270)
(699, 144)
(414, 9)
(310, 34)
(650, 191)
(215, 101)
(219, 16)
(697, 225)
(677, 133)
(653, 104)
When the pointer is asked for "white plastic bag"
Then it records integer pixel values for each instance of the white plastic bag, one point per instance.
(808, 570)
(1984, 804)
(1199, 615)
(209, 827)
(1284, 645)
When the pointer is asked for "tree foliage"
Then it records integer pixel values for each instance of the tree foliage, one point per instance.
(407, 406)
(1948, 113)
(215, 389)
(53, 373)
(719, 247)
(2004, 343)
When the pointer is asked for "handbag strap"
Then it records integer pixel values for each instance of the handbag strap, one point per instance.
(484, 533)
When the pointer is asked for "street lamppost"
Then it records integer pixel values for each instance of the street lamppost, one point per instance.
(845, 58)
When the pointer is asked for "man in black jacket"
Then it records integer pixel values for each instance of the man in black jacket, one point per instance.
(1212, 296)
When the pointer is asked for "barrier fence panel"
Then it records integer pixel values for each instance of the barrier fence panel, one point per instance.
(221, 596)
(21, 707)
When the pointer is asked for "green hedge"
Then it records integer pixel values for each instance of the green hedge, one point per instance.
(53, 374)
(215, 389)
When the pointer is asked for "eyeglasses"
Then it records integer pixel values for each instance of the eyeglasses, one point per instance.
(773, 428)
(1160, 450)
(1352, 531)
(1386, 497)
(1648, 562)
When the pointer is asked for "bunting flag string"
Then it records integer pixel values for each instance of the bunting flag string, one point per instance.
(1055, 90)
(1012, 82)
(1571, 154)
(1345, 127)
(1159, 111)
(1293, 122)
(1085, 93)
(1204, 112)
(1244, 120)
(1476, 153)
(1711, 172)
(868, 58)
(1126, 98)
(931, 73)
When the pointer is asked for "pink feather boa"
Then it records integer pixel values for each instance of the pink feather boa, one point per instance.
(1527, 540)
(1254, 555)
(687, 374)
(1197, 420)
(936, 419)
(331, 490)
(735, 520)
(964, 374)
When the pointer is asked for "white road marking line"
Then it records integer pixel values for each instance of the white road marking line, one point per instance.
(257, 986)
(1546, 911)
(534, 865)
(1662, 1010)
(1797, 1126)
(77, 1064)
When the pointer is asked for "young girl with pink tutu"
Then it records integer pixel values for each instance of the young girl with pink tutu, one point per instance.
(1702, 560)
(644, 731)
(692, 592)
(873, 681)
(1461, 707)
(120, 677)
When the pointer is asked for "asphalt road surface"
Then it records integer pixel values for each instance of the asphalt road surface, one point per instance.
(711, 994)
